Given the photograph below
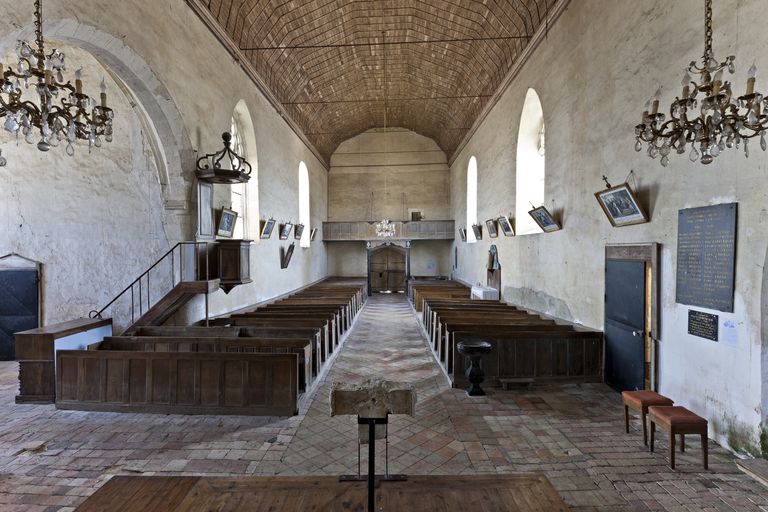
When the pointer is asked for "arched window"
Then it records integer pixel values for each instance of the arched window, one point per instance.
(530, 164)
(304, 216)
(471, 198)
(245, 196)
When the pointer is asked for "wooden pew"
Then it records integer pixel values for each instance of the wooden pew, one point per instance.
(244, 332)
(562, 355)
(322, 326)
(178, 383)
(300, 346)
(525, 345)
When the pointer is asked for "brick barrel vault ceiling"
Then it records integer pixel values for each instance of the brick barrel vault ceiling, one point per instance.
(340, 67)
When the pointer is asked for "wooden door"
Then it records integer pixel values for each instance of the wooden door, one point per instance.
(388, 270)
(625, 321)
(19, 307)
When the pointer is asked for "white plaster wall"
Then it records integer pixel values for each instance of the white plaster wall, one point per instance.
(347, 259)
(431, 257)
(92, 220)
(598, 65)
(95, 242)
(398, 168)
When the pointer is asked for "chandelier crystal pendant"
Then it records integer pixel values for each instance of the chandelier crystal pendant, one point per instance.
(707, 118)
(385, 229)
(62, 112)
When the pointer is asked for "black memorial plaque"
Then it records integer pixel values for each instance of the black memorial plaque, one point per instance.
(706, 256)
(703, 325)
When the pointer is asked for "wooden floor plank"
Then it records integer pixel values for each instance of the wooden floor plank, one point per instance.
(487, 493)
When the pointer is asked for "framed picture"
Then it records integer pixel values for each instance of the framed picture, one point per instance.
(493, 232)
(227, 221)
(621, 206)
(298, 229)
(267, 226)
(312, 234)
(544, 219)
(285, 230)
(506, 226)
(477, 229)
(463, 234)
(285, 255)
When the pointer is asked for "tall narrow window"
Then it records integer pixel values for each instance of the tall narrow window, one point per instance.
(471, 198)
(304, 216)
(245, 196)
(239, 191)
(530, 164)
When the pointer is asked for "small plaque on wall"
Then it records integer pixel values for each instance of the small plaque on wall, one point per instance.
(706, 256)
(703, 325)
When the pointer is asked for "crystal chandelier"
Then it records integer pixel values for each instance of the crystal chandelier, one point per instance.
(385, 229)
(63, 112)
(707, 114)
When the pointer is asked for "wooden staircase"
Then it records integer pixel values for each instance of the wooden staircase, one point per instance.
(165, 308)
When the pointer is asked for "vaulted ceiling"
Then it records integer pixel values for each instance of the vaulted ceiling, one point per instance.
(340, 67)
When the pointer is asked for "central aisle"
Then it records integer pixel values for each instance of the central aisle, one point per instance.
(385, 342)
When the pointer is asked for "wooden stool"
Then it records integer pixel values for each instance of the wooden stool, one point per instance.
(679, 420)
(640, 401)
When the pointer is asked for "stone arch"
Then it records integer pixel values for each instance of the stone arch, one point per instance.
(164, 123)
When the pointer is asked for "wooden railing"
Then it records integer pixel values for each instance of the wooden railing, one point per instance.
(404, 230)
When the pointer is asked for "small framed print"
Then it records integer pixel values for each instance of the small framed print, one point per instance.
(621, 206)
(285, 256)
(506, 226)
(285, 230)
(463, 234)
(267, 226)
(477, 229)
(227, 221)
(490, 224)
(312, 234)
(298, 230)
(544, 219)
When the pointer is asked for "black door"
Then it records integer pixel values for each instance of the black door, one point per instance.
(624, 324)
(18, 307)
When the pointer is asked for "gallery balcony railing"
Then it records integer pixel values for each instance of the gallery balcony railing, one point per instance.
(404, 230)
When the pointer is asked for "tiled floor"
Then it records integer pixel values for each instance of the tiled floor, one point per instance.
(52, 460)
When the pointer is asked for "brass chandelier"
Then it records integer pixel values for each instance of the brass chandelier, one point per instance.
(707, 114)
(63, 112)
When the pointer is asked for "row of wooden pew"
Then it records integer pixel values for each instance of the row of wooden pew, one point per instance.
(257, 362)
(525, 346)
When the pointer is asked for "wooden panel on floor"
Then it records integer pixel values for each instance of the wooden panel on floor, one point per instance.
(507, 493)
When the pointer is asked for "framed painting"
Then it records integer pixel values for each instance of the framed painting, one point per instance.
(506, 226)
(285, 230)
(490, 224)
(227, 221)
(463, 234)
(298, 230)
(544, 219)
(621, 206)
(477, 229)
(267, 226)
(285, 255)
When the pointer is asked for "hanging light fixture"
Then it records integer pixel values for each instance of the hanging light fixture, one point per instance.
(385, 229)
(63, 112)
(707, 117)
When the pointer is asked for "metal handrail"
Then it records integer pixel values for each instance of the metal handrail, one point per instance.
(145, 276)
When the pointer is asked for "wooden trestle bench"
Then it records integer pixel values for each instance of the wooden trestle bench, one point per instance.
(256, 362)
(525, 346)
